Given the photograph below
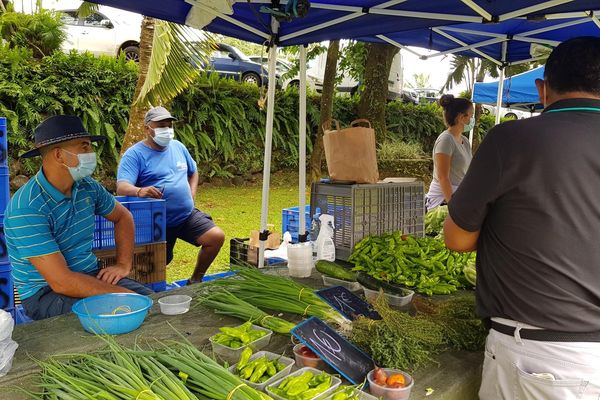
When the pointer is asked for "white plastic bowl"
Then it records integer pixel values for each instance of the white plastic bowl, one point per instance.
(387, 393)
(175, 304)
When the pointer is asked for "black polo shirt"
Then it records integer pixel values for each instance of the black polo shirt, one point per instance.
(533, 190)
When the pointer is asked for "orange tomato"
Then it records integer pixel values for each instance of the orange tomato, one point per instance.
(396, 380)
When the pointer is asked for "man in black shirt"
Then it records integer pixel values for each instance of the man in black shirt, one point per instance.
(530, 205)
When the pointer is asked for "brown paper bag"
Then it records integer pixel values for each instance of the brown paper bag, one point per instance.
(351, 152)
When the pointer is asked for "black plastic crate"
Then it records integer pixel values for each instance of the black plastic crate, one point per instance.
(240, 251)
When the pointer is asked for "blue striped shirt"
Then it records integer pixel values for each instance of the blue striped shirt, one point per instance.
(40, 220)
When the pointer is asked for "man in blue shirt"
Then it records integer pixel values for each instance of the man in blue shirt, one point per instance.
(49, 225)
(162, 168)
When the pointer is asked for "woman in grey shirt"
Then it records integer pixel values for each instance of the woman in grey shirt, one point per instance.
(451, 151)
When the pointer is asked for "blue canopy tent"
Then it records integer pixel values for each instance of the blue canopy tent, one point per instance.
(499, 30)
(519, 91)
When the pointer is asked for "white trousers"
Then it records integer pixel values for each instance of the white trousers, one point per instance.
(518, 369)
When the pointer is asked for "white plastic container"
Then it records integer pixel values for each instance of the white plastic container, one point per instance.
(393, 299)
(174, 304)
(351, 286)
(302, 361)
(288, 362)
(231, 355)
(325, 245)
(300, 261)
(335, 382)
(361, 395)
(390, 393)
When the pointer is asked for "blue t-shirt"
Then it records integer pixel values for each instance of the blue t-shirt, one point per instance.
(40, 220)
(167, 170)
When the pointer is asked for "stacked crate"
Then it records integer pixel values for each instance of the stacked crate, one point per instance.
(7, 299)
(149, 254)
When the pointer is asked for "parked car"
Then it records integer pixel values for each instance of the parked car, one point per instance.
(106, 32)
(283, 67)
(428, 95)
(229, 61)
(509, 113)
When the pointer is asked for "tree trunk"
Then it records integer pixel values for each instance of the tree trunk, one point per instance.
(316, 158)
(478, 110)
(135, 128)
(375, 86)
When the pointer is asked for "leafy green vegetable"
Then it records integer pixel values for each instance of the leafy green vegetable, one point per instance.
(434, 220)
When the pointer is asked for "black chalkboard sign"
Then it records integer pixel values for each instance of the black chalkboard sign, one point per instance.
(343, 356)
(347, 303)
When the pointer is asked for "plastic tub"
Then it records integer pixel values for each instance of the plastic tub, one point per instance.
(361, 395)
(335, 382)
(352, 286)
(231, 355)
(288, 362)
(113, 313)
(390, 393)
(393, 299)
(174, 304)
(302, 361)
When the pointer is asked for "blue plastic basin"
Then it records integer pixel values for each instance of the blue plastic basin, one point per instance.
(112, 314)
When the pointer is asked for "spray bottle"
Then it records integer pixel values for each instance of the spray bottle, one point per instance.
(325, 245)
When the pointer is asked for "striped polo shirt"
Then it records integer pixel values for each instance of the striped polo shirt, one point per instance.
(41, 220)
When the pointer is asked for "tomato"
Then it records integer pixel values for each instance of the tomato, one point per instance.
(379, 376)
(306, 352)
(396, 381)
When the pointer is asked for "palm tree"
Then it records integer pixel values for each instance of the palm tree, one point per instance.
(420, 81)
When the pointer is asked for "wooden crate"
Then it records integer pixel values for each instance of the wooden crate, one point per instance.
(149, 262)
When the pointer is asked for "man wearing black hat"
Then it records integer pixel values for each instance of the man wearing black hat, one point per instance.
(529, 205)
(49, 225)
(162, 168)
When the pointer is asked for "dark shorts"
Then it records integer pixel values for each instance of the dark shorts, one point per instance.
(196, 225)
(47, 303)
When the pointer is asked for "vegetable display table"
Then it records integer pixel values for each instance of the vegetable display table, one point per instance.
(457, 376)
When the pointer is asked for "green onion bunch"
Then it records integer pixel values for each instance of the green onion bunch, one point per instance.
(223, 302)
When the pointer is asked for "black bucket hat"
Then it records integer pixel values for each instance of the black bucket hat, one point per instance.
(57, 129)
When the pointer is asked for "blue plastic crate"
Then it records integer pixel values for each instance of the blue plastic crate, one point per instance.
(3, 143)
(4, 188)
(290, 221)
(149, 217)
(3, 248)
(7, 297)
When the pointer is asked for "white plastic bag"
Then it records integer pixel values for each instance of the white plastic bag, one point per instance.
(7, 345)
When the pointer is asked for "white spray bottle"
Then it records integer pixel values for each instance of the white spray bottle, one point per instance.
(325, 245)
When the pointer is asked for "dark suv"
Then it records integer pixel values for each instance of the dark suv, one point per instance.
(228, 61)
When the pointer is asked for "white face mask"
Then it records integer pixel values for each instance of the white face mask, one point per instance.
(163, 136)
(86, 166)
(470, 125)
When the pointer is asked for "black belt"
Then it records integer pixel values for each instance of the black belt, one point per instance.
(546, 335)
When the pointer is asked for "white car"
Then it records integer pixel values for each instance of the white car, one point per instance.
(282, 67)
(509, 113)
(107, 32)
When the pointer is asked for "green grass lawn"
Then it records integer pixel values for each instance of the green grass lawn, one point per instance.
(237, 211)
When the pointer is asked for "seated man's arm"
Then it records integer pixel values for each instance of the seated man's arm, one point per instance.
(124, 235)
(128, 173)
(62, 280)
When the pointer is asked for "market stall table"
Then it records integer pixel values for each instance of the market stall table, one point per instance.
(456, 377)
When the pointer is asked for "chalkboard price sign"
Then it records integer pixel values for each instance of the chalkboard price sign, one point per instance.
(343, 356)
(347, 303)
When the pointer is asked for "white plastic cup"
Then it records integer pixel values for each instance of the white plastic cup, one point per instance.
(300, 262)
(174, 304)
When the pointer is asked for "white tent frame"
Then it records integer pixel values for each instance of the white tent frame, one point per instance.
(383, 9)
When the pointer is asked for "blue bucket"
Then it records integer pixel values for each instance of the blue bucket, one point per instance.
(112, 314)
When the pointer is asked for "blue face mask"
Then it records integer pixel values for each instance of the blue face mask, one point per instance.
(86, 167)
(470, 125)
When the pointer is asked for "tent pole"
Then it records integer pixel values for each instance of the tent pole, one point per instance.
(501, 83)
(264, 211)
(302, 237)
(473, 129)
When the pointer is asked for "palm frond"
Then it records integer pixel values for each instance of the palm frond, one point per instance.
(86, 9)
(178, 53)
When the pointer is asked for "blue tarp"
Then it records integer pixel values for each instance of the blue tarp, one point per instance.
(409, 26)
(519, 90)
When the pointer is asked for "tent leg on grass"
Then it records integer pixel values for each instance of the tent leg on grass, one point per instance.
(264, 211)
(302, 235)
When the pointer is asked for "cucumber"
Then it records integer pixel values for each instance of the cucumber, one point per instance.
(335, 270)
(375, 284)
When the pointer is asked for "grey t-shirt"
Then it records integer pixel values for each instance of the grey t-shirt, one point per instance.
(460, 156)
(533, 192)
